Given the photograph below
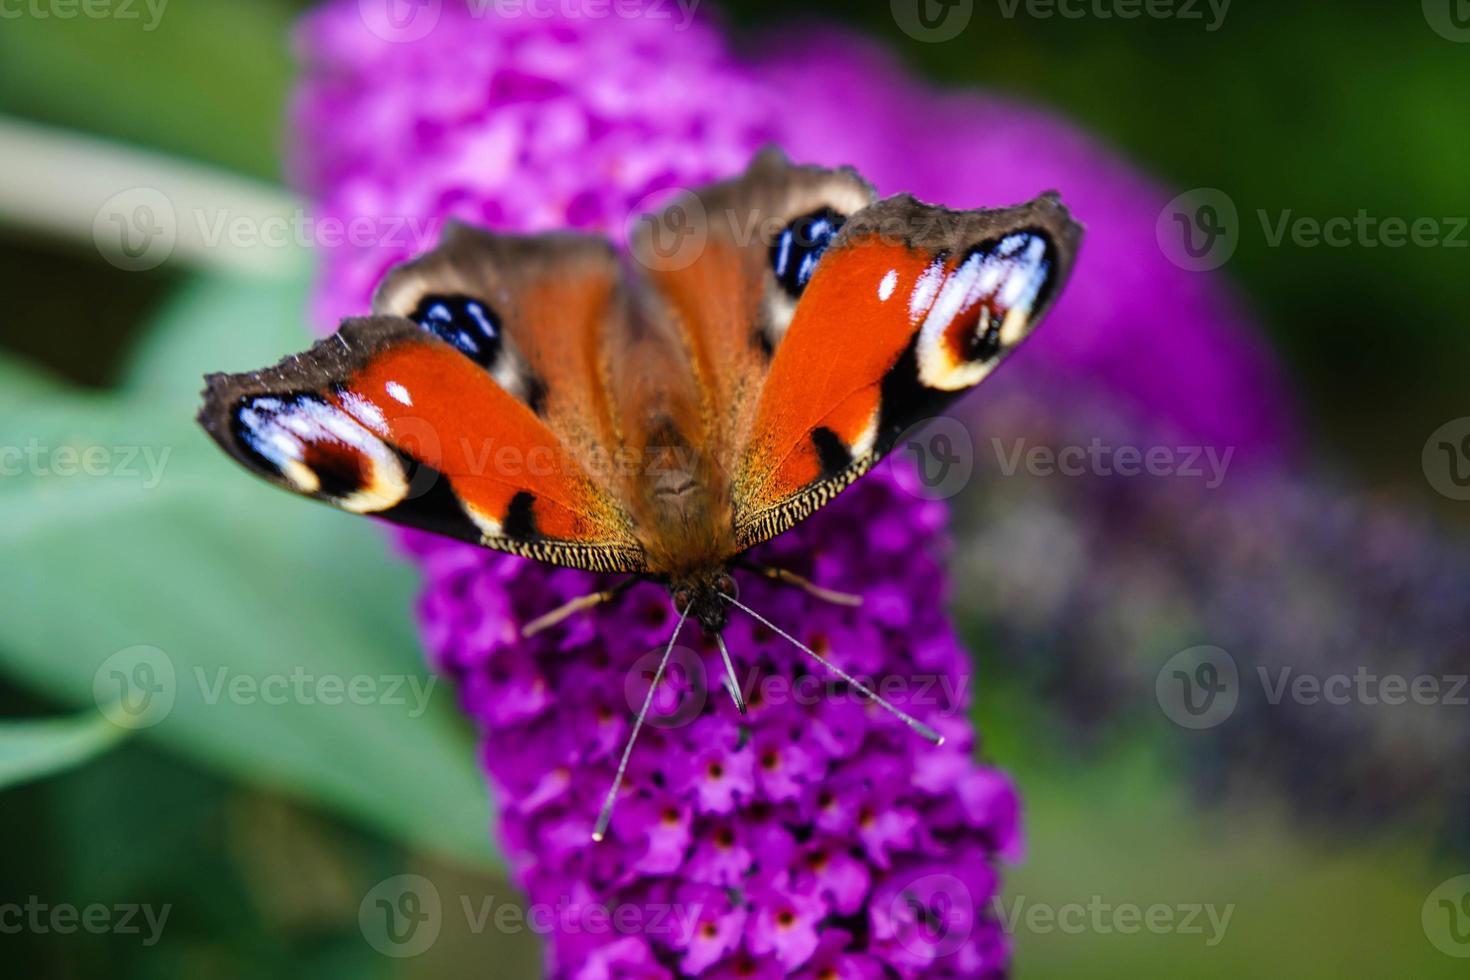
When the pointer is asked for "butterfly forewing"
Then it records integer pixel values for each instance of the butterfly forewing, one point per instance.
(909, 308)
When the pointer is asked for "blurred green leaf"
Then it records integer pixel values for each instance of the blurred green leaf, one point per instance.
(33, 749)
(276, 634)
(205, 79)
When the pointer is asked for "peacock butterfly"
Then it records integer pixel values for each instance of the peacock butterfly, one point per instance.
(656, 413)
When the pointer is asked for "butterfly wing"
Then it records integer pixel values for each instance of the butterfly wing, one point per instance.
(456, 409)
(909, 307)
(728, 262)
(589, 354)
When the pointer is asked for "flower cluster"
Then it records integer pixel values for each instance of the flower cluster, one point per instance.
(817, 832)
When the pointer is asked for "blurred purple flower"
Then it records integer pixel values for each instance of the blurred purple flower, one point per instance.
(819, 837)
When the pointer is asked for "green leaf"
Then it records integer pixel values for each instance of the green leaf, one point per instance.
(251, 631)
(206, 79)
(34, 749)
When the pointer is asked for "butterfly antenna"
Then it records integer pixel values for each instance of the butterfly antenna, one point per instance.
(734, 682)
(605, 817)
(921, 729)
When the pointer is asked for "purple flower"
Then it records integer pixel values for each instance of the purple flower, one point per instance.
(818, 836)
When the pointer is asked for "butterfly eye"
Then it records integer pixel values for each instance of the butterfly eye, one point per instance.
(796, 251)
(465, 322)
(682, 598)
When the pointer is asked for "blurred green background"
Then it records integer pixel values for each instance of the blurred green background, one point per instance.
(263, 827)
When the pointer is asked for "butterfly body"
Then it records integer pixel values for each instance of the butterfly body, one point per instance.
(762, 344)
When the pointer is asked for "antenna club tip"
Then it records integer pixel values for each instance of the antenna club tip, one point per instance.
(597, 836)
(939, 741)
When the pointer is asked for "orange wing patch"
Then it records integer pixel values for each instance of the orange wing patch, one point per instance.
(450, 415)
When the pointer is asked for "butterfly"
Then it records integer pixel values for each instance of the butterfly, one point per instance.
(658, 411)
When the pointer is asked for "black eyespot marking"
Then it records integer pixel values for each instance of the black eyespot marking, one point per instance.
(983, 344)
(796, 251)
(467, 323)
(1017, 271)
(520, 518)
(833, 455)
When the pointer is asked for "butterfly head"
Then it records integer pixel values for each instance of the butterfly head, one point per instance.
(701, 595)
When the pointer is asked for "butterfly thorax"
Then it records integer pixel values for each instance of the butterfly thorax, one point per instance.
(682, 510)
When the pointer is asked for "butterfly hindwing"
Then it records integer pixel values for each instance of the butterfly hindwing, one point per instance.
(910, 307)
(386, 419)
